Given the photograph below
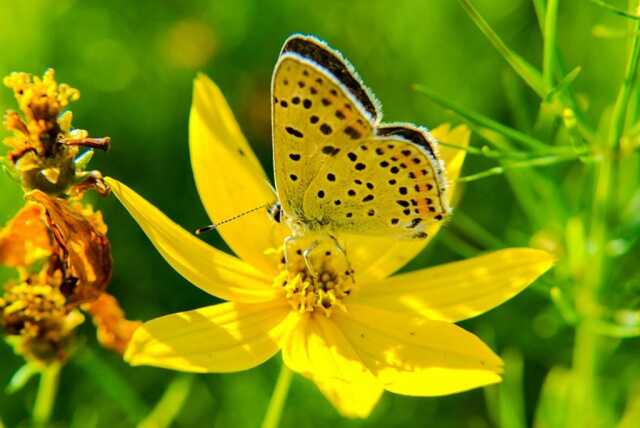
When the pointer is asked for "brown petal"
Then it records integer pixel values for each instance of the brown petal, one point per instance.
(81, 245)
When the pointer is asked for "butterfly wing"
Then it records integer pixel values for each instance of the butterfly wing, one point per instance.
(336, 168)
(318, 107)
(390, 184)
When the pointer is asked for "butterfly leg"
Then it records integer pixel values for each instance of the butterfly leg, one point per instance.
(306, 254)
(286, 244)
(343, 252)
(299, 242)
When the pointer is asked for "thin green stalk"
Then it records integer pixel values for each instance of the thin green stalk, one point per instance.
(550, 29)
(278, 398)
(497, 170)
(46, 397)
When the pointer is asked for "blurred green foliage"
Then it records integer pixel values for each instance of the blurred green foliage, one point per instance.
(134, 63)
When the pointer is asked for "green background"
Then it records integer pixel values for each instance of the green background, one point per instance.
(134, 63)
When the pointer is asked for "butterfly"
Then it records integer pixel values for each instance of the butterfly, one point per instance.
(338, 169)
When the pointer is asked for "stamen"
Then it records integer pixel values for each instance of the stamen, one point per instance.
(319, 293)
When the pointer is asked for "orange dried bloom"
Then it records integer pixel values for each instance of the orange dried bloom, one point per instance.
(114, 330)
(25, 239)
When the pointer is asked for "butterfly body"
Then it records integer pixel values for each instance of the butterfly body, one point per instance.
(337, 168)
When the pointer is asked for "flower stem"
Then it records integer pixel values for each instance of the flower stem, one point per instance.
(278, 398)
(47, 390)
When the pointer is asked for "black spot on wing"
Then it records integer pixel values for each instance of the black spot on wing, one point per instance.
(314, 51)
(293, 131)
(414, 135)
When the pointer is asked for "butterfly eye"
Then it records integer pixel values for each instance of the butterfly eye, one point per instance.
(275, 212)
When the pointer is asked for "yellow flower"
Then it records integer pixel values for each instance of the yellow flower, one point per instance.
(354, 338)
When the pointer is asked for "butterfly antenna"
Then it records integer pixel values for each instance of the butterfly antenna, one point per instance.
(214, 226)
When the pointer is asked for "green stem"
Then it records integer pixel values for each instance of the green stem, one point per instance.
(550, 28)
(46, 397)
(278, 398)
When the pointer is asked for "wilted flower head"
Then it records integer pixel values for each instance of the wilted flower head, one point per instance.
(44, 146)
(63, 258)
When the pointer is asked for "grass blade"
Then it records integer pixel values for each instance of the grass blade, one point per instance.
(481, 120)
(525, 70)
(614, 9)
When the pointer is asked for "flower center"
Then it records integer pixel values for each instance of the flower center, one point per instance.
(315, 276)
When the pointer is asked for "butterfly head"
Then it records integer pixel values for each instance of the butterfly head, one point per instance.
(275, 212)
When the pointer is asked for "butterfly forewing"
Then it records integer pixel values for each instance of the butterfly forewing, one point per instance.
(313, 116)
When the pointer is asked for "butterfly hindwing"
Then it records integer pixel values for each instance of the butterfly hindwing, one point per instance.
(385, 185)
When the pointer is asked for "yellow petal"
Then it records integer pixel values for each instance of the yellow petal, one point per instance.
(317, 349)
(418, 357)
(229, 177)
(352, 400)
(221, 338)
(459, 290)
(375, 257)
(205, 267)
